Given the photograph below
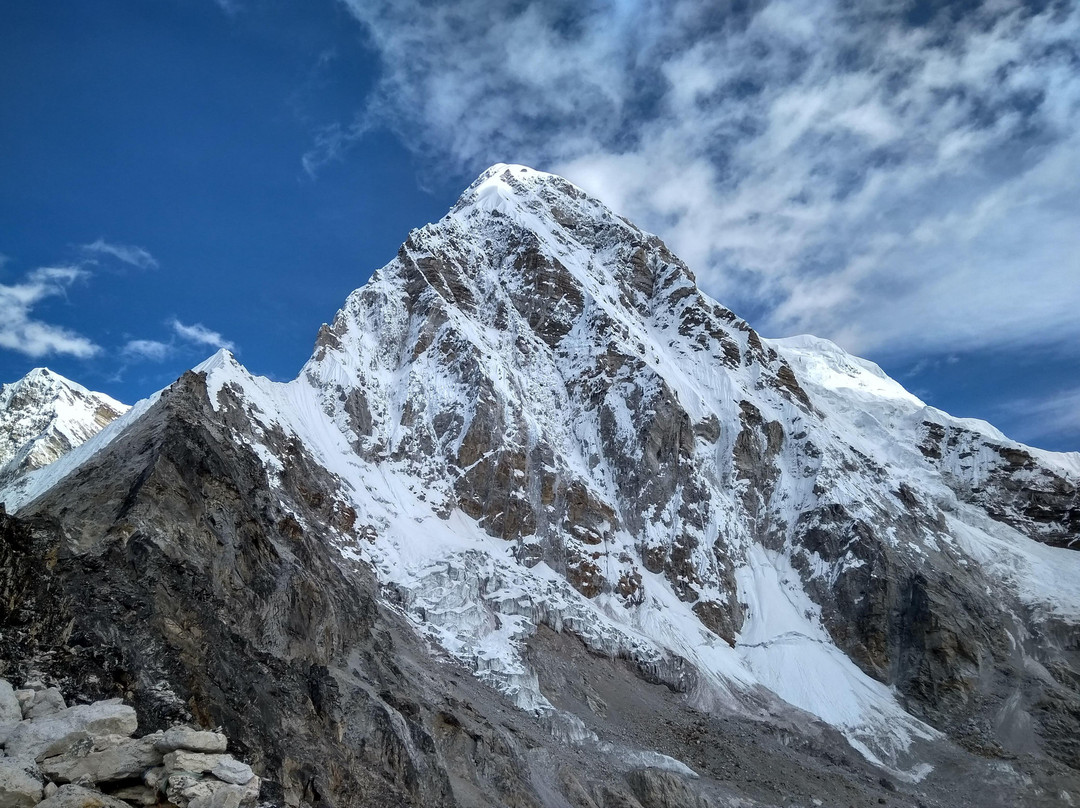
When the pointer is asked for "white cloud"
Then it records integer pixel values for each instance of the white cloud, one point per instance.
(129, 254)
(201, 335)
(146, 349)
(20, 331)
(824, 165)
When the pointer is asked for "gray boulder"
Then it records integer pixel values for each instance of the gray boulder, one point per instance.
(46, 702)
(26, 698)
(20, 786)
(10, 709)
(113, 758)
(232, 771)
(228, 796)
(192, 740)
(53, 734)
(72, 796)
(195, 762)
(188, 790)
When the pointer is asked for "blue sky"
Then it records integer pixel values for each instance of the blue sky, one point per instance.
(182, 174)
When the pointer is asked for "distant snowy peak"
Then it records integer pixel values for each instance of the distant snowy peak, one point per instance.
(1031, 490)
(43, 416)
(823, 363)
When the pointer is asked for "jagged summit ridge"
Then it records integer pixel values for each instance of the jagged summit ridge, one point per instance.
(533, 419)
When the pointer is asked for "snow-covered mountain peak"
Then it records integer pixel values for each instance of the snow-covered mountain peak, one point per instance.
(505, 184)
(533, 417)
(557, 213)
(39, 381)
(222, 358)
(44, 415)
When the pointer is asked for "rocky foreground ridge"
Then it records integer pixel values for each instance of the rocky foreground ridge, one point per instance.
(85, 756)
(541, 524)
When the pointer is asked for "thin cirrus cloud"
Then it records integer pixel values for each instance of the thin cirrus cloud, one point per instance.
(896, 184)
(200, 335)
(21, 331)
(230, 7)
(127, 253)
(331, 143)
(1058, 414)
(149, 350)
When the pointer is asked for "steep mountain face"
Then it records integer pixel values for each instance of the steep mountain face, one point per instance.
(531, 447)
(44, 416)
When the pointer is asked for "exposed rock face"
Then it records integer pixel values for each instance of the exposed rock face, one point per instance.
(531, 447)
(1012, 483)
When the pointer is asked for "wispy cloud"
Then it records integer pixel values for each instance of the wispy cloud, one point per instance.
(127, 253)
(930, 363)
(1056, 415)
(200, 335)
(230, 7)
(21, 331)
(825, 166)
(146, 350)
(331, 143)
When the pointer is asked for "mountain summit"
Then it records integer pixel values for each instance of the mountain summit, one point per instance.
(684, 564)
(43, 416)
